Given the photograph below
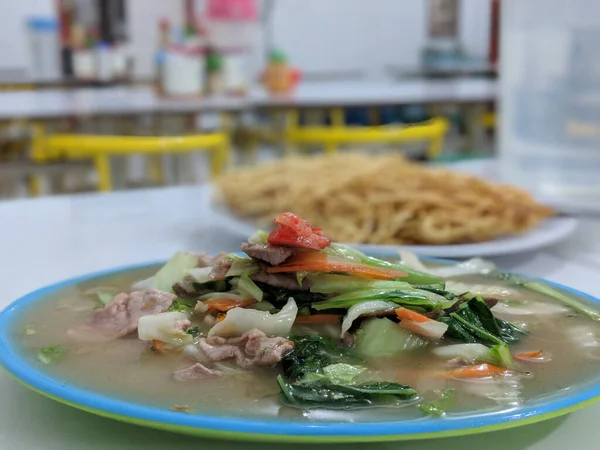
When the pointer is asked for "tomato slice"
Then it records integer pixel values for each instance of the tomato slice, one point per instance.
(292, 231)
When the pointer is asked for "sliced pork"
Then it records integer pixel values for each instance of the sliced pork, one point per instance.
(196, 372)
(284, 280)
(252, 349)
(121, 316)
(273, 254)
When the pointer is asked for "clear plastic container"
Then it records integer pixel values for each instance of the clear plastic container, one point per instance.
(549, 131)
(45, 48)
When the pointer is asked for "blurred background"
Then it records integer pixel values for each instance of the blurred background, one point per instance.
(118, 94)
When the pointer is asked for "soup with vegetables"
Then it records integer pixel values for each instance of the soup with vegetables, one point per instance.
(297, 326)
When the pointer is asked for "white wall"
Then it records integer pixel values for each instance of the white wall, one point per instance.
(318, 35)
(14, 46)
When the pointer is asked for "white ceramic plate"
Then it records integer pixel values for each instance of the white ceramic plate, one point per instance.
(549, 232)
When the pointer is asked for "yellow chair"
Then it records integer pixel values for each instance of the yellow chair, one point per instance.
(99, 149)
(433, 130)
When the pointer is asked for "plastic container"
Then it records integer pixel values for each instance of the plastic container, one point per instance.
(235, 71)
(104, 68)
(549, 131)
(45, 48)
(183, 72)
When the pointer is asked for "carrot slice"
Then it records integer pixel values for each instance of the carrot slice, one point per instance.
(318, 318)
(158, 345)
(225, 304)
(320, 262)
(476, 371)
(539, 356)
(404, 313)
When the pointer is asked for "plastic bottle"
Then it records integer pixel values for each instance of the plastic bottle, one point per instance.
(45, 48)
(549, 131)
(103, 62)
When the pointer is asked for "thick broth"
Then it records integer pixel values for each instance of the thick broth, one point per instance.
(127, 368)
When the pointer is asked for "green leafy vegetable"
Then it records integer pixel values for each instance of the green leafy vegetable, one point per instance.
(241, 266)
(190, 288)
(259, 237)
(312, 353)
(344, 396)
(342, 373)
(473, 321)
(414, 276)
(49, 355)
(279, 295)
(266, 306)
(247, 286)
(382, 337)
(501, 355)
(440, 405)
(194, 331)
(586, 310)
(182, 305)
(173, 271)
(414, 299)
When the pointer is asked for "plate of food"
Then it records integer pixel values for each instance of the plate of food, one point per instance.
(300, 339)
(381, 203)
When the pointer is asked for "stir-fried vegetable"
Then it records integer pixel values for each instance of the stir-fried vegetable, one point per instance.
(320, 262)
(477, 371)
(335, 395)
(477, 353)
(474, 322)
(182, 305)
(318, 318)
(165, 327)
(371, 307)
(382, 337)
(247, 286)
(440, 405)
(412, 277)
(421, 325)
(241, 266)
(415, 299)
(315, 374)
(174, 270)
(240, 320)
(51, 354)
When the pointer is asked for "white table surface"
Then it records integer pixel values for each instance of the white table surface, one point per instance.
(45, 240)
(124, 100)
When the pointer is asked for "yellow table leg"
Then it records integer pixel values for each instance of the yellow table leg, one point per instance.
(102, 164)
(338, 119)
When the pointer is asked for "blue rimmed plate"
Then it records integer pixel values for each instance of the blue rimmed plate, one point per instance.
(34, 377)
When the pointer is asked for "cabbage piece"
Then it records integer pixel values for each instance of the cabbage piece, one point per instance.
(473, 353)
(430, 329)
(417, 299)
(259, 237)
(239, 320)
(173, 271)
(241, 266)
(382, 337)
(340, 373)
(201, 274)
(485, 290)
(247, 286)
(165, 327)
(373, 306)
(325, 283)
(412, 261)
(470, 267)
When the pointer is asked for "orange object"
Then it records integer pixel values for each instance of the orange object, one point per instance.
(476, 371)
(225, 304)
(538, 356)
(279, 78)
(159, 346)
(404, 313)
(221, 317)
(318, 318)
(320, 262)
